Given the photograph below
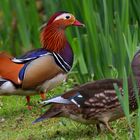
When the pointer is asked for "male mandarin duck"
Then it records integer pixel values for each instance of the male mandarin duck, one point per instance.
(94, 102)
(41, 69)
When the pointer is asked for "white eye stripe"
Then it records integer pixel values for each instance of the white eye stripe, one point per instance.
(63, 16)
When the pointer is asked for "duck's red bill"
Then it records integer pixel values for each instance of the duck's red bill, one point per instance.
(77, 23)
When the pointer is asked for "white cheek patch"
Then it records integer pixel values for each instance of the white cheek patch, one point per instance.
(62, 16)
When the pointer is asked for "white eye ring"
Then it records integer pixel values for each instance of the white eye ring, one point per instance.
(63, 16)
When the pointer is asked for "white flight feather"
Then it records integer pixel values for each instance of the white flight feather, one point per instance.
(58, 99)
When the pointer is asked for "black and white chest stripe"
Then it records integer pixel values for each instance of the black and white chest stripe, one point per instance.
(61, 62)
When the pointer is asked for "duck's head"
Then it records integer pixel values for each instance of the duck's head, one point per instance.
(53, 35)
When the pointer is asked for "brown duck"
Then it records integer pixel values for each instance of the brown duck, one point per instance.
(94, 102)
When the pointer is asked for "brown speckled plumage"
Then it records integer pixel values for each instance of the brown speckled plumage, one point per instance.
(99, 104)
(94, 102)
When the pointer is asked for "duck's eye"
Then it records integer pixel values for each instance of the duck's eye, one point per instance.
(67, 17)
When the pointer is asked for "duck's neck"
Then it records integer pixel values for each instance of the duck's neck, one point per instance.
(53, 38)
(136, 68)
(137, 79)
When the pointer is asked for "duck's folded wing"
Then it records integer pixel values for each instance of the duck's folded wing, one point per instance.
(39, 71)
(31, 55)
(27, 58)
(34, 54)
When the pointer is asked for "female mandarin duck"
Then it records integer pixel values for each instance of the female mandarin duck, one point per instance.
(41, 69)
(95, 102)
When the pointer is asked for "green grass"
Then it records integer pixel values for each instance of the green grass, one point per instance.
(17, 124)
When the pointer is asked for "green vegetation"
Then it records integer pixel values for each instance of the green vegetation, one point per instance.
(17, 123)
(102, 50)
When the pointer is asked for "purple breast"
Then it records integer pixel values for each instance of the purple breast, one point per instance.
(67, 54)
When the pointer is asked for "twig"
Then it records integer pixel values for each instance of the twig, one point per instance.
(18, 93)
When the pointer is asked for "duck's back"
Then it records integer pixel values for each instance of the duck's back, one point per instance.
(8, 69)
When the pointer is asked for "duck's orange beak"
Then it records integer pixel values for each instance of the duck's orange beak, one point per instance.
(78, 23)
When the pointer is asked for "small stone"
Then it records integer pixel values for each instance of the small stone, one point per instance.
(2, 120)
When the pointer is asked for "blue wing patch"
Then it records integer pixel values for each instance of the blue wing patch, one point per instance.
(31, 56)
(22, 71)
